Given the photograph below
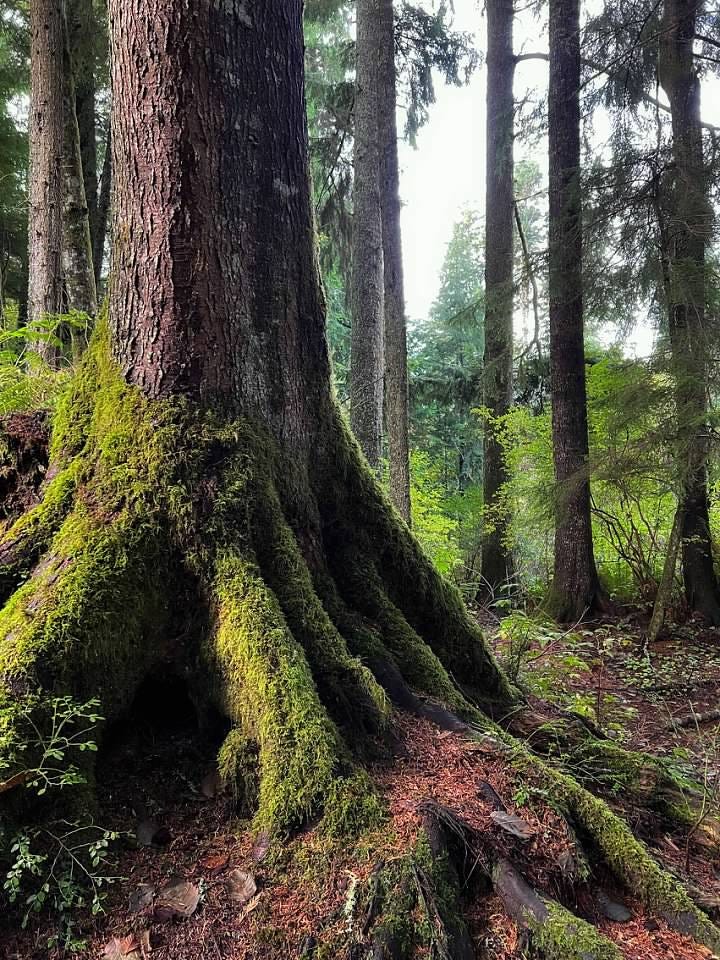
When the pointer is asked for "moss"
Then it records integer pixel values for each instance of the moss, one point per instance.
(352, 808)
(563, 936)
(432, 607)
(238, 769)
(347, 687)
(270, 693)
(421, 668)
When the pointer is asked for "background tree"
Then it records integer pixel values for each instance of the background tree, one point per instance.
(575, 588)
(689, 228)
(79, 273)
(367, 347)
(45, 191)
(396, 356)
(497, 567)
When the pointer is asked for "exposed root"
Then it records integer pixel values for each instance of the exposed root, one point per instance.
(609, 770)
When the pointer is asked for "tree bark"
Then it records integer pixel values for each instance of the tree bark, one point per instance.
(103, 209)
(80, 289)
(82, 31)
(689, 231)
(497, 567)
(192, 307)
(575, 589)
(45, 185)
(396, 363)
(367, 284)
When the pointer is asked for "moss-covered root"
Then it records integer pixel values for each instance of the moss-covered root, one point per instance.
(346, 686)
(609, 839)
(410, 905)
(608, 769)
(554, 932)
(356, 515)
(22, 545)
(268, 690)
(90, 621)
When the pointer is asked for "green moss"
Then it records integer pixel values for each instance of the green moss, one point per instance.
(347, 688)
(352, 808)
(431, 606)
(270, 693)
(238, 769)
(563, 936)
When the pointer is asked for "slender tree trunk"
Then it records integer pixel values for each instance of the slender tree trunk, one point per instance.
(367, 294)
(82, 28)
(689, 231)
(497, 567)
(396, 362)
(45, 186)
(103, 209)
(575, 588)
(77, 248)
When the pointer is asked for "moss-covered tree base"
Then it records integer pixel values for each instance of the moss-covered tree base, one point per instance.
(290, 596)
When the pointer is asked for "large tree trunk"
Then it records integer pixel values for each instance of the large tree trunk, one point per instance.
(80, 289)
(207, 511)
(575, 589)
(366, 349)
(689, 230)
(396, 361)
(45, 186)
(497, 567)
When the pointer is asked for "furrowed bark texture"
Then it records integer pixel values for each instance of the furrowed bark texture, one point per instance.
(575, 588)
(497, 567)
(396, 365)
(223, 276)
(367, 284)
(45, 185)
(82, 27)
(80, 292)
(689, 229)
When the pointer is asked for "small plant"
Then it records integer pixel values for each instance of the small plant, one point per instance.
(60, 865)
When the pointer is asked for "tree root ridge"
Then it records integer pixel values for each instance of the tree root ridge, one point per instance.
(612, 771)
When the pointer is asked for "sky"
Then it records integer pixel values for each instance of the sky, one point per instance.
(446, 171)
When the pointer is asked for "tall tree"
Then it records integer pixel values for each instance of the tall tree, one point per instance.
(497, 567)
(576, 588)
(103, 209)
(79, 275)
(689, 230)
(298, 614)
(367, 282)
(83, 31)
(45, 187)
(396, 357)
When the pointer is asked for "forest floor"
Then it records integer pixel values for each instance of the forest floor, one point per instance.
(252, 899)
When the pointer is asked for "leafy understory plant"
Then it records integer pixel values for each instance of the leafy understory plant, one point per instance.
(59, 865)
